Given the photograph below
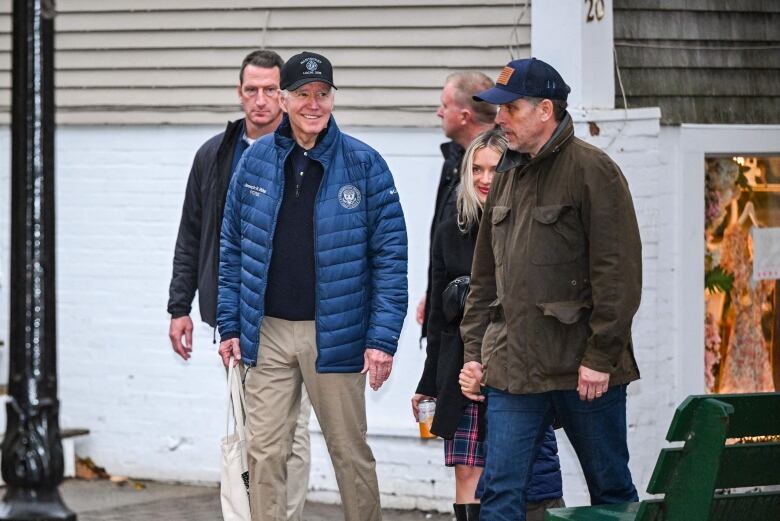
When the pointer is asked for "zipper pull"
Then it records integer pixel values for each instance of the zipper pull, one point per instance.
(297, 191)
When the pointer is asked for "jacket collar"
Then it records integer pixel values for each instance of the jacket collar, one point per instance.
(323, 148)
(563, 133)
(452, 151)
(233, 131)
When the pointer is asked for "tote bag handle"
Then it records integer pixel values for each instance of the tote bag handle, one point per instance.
(235, 402)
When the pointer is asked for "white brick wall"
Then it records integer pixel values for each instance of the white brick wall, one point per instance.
(119, 195)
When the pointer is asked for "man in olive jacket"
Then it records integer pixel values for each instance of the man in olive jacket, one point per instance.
(555, 283)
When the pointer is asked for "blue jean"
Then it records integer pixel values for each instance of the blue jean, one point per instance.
(515, 429)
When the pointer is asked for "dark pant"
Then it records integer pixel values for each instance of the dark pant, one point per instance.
(516, 425)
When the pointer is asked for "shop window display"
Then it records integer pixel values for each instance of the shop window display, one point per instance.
(742, 268)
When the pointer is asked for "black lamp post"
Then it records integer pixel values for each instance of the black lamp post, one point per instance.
(32, 460)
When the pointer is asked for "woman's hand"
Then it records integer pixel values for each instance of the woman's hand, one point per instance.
(416, 399)
(469, 379)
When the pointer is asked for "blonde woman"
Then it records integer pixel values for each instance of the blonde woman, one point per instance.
(459, 420)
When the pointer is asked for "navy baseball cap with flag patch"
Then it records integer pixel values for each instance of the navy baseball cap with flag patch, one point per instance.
(525, 78)
(304, 68)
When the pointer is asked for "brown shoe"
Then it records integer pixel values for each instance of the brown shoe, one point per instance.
(534, 511)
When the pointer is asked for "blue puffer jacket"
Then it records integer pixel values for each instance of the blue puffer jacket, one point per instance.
(359, 248)
(546, 482)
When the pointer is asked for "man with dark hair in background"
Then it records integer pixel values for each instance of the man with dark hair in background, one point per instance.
(196, 257)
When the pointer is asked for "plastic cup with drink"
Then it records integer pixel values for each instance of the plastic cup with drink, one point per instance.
(425, 411)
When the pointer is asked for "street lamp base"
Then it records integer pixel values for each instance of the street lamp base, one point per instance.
(26, 504)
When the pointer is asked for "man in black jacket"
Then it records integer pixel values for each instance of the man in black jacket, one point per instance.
(462, 119)
(195, 260)
(196, 257)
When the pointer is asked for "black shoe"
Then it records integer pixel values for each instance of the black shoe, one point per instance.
(472, 511)
(460, 512)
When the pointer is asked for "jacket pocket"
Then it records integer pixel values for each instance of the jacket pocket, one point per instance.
(561, 334)
(556, 235)
(500, 232)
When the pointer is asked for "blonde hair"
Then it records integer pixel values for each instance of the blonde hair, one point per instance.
(468, 203)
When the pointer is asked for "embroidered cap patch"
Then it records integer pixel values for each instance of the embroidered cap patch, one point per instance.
(506, 73)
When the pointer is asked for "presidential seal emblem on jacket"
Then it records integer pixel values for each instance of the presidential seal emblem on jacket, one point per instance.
(349, 197)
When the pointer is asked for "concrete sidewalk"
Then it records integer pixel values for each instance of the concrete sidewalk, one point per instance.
(104, 501)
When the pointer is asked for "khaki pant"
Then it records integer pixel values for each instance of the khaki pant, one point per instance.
(298, 460)
(286, 359)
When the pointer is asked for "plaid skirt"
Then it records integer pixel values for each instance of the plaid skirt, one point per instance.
(465, 448)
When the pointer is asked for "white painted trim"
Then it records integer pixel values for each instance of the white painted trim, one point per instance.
(584, 56)
(579, 114)
(696, 142)
(699, 126)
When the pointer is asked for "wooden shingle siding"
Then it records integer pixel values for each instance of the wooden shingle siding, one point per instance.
(747, 6)
(176, 61)
(701, 61)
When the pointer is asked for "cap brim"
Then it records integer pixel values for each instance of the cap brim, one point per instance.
(497, 96)
(304, 81)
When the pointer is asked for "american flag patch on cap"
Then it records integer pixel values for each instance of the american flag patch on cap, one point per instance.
(506, 73)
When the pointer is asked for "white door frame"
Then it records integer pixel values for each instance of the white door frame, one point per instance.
(696, 142)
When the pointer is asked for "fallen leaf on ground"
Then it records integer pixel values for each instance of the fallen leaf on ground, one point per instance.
(87, 469)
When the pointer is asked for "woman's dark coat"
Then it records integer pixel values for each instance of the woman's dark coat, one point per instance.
(450, 258)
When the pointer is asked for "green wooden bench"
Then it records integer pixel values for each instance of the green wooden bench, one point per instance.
(689, 476)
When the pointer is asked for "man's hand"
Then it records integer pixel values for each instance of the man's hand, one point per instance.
(378, 365)
(469, 379)
(421, 310)
(416, 399)
(592, 384)
(228, 348)
(181, 327)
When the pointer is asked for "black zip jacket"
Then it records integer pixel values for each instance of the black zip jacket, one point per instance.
(196, 258)
(446, 194)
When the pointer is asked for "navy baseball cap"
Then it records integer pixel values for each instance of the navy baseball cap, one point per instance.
(304, 68)
(529, 77)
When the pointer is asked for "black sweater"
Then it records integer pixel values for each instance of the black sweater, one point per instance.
(291, 279)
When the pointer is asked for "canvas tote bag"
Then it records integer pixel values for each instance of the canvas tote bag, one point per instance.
(234, 488)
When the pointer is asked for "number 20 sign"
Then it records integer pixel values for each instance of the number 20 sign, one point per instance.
(595, 10)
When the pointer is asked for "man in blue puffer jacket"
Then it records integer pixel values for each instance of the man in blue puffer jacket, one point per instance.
(312, 288)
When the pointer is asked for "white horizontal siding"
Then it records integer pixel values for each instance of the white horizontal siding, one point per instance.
(166, 61)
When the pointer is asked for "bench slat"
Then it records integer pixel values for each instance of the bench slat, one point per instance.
(749, 465)
(758, 506)
(761, 506)
(750, 416)
(622, 512)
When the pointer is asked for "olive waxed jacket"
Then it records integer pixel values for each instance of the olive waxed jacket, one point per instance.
(557, 271)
